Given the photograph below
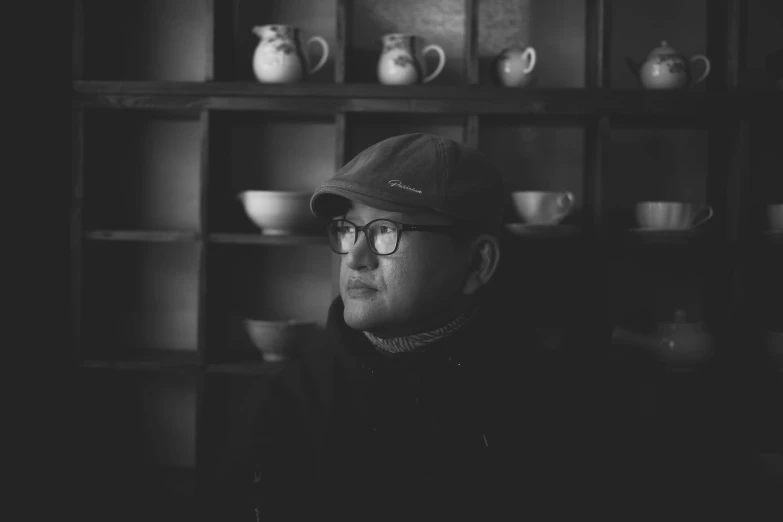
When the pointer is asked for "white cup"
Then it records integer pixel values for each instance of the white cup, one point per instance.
(540, 207)
(671, 215)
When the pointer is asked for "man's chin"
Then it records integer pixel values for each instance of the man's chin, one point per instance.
(359, 319)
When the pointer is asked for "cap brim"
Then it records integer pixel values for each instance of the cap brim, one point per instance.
(328, 202)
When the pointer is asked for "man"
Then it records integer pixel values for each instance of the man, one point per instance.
(427, 394)
(428, 397)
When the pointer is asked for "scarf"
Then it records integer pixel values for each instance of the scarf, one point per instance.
(420, 341)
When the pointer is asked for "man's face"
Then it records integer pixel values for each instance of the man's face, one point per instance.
(415, 289)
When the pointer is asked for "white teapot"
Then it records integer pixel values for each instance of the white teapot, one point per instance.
(665, 68)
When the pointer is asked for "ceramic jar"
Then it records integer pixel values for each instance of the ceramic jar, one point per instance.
(402, 63)
(279, 56)
(665, 68)
(515, 65)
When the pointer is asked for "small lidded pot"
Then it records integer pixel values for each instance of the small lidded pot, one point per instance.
(684, 342)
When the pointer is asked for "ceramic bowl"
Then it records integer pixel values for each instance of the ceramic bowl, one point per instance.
(278, 340)
(278, 212)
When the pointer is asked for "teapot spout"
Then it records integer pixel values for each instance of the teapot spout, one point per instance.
(633, 66)
(627, 337)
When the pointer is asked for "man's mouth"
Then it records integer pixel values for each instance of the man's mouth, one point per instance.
(358, 288)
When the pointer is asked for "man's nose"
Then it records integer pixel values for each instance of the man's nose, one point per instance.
(360, 256)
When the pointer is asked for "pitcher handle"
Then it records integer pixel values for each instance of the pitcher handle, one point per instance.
(324, 54)
(530, 57)
(706, 66)
(565, 203)
(441, 61)
(707, 216)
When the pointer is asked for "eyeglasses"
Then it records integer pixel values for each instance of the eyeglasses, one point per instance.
(383, 235)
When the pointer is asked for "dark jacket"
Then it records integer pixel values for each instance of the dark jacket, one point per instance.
(481, 418)
(485, 424)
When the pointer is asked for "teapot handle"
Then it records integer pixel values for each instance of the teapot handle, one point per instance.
(706, 66)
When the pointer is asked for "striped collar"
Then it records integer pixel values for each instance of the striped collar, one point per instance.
(421, 341)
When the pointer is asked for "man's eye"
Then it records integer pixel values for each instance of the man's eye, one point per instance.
(385, 229)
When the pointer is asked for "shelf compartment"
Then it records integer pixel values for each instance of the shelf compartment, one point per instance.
(363, 130)
(142, 170)
(555, 29)
(440, 22)
(655, 165)
(235, 42)
(530, 155)
(152, 417)
(640, 25)
(263, 282)
(765, 183)
(554, 291)
(647, 285)
(139, 298)
(764, 279)
(264, 152)
(764, 16)
(167, 40)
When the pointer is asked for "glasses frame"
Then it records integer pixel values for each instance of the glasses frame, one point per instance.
(454, 229)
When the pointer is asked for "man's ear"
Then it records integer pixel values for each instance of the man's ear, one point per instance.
(486, 256)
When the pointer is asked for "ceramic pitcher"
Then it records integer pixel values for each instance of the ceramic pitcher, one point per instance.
(402, 63)
(514, 66)
(279, 56)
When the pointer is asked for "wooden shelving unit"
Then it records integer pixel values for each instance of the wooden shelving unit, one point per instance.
(169, 125)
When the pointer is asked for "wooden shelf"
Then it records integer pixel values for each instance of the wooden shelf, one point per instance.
(165, 236)
(161, 236)
(148, 361)
(457, 99)
(259, 239)
(246, 368)
(666, 237)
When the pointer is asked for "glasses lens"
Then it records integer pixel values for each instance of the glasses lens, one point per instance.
(383, 236)
(342, 236)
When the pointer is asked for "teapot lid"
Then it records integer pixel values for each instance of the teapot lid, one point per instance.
(664, 48)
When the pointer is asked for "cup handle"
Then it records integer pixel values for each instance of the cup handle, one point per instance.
(530, 57)
(565, 202)
(707, 216)
(706, 66)
(324, 54)
(441, 61)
